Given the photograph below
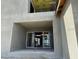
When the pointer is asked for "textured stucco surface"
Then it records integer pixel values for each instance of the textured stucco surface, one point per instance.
(12, 7)
(18, 37)
(15, 11)
(68, 30)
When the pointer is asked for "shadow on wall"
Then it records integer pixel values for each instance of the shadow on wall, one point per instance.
(64, 42)
(74, 5)
(64, 38)
(18, 37)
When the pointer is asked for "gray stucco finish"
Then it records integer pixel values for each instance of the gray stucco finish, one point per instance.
(16, 11)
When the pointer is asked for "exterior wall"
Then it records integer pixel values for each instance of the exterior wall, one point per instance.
(68, 23)
(74, 4)
(65, 51)
(18, 38)
(57, 43)
(9, 18)
(6, 30)
(57, 37)
(14, 7)
(10, 10)
(14, 11)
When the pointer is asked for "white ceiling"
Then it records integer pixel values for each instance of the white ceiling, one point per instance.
(37, 25)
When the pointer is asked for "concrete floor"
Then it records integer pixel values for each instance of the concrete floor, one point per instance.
(30, 54)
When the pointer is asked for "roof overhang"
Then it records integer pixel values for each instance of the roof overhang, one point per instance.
(37, 25)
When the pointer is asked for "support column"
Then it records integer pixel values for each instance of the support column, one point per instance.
(57, 38)
(70, 32)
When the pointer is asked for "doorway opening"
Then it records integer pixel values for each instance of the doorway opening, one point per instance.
(39, 40)
(32, 35)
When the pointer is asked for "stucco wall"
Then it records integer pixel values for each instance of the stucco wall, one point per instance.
(65, 51)
(57, 37)
(18, 38)
(9, 18)
(68, 22)
(14, 11)
(74, 4)
(14, 7)
(6, 30)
